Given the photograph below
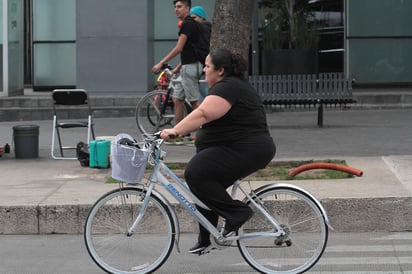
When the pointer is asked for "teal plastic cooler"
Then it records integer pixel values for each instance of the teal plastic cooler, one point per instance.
(99, 153)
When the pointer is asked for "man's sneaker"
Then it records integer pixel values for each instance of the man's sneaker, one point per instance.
(190, 141)
(179, 141)
(169, 142)
(198, 248)
(175, 141)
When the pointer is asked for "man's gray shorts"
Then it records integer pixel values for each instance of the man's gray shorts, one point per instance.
(188, 88)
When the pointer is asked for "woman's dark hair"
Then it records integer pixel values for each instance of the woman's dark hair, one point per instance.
(233, 63)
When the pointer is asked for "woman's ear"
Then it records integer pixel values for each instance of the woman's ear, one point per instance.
(221, 71)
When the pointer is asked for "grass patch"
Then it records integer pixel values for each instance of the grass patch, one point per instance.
(110, 180)
(280, 171)
(275, 171)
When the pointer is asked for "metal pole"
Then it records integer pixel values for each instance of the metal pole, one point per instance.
(255, 39)
(5, 49)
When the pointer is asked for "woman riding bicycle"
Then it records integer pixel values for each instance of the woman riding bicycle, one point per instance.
(232, 141)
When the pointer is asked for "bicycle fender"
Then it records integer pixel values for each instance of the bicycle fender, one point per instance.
(318, 203)
(172, 211)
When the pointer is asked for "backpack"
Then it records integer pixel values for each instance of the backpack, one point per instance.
(82, 153)
(202, 44)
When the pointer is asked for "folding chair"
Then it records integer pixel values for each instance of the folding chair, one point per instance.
(65, 102)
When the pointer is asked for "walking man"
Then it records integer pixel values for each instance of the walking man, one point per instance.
(190, 68)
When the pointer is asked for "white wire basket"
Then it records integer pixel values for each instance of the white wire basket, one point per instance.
(128, 162)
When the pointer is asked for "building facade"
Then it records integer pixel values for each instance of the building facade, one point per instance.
(108, 47)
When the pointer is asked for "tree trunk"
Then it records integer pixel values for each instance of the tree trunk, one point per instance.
(232, 24)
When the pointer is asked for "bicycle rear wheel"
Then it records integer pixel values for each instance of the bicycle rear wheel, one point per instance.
(154, 111)
(305, 227)
(107, 239)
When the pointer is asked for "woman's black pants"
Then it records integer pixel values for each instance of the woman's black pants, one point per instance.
(213, 169)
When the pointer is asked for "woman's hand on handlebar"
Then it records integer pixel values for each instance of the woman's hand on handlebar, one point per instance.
(168, 133)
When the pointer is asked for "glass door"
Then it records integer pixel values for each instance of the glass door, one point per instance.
(15, 47)
(54, 44)
(2, 23)
(12, 47)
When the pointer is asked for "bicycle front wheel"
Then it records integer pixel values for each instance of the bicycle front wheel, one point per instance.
(154, 111)
(109, 242)
(305, 238)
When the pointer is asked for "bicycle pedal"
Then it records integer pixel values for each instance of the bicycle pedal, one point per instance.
(206, 250)
(221, 244)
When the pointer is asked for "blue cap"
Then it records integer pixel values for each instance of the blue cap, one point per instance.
(199, 11)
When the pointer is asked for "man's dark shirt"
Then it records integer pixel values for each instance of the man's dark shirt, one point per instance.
(187, 56)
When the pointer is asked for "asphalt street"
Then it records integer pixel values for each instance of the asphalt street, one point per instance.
(346, 253)
(345, 133)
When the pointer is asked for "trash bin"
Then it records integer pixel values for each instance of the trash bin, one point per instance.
(26, 141)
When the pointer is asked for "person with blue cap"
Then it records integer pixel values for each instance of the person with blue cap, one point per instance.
(198, 13)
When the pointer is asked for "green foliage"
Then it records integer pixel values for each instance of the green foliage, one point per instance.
(110, 180)
(277, 170)
(287, 24)
(176, 165)
(272, 36)
(323, 175)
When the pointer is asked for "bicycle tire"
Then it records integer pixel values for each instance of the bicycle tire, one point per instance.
(302, 219)
(106, 232)
(154, 111)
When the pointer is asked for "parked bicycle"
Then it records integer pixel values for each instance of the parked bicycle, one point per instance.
(132, 229)
(155, 110)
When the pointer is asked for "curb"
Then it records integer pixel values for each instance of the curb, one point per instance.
(346, 215)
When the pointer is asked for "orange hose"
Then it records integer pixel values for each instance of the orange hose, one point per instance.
(347, 169)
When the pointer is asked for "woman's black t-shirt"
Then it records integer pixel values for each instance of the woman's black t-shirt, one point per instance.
(242, 123)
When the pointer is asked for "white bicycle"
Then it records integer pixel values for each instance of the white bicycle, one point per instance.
(132, 229)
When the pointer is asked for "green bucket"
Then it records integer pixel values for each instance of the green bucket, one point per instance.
(99, 153)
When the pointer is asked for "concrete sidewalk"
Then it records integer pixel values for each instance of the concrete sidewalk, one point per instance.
(53, 196)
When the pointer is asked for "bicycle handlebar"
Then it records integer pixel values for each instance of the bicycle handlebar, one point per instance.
(150, 138)
(166, 67)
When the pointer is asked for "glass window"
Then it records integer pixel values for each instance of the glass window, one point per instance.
(54, 20)
(389, 61)
(314, 24)
(15, 46)
(54, 43)
(1, 46)
(54, 64)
